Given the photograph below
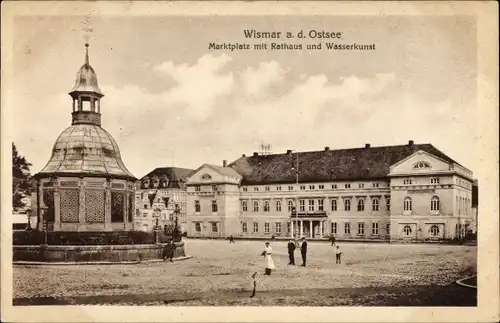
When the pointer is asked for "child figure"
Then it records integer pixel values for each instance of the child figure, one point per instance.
(337, 255)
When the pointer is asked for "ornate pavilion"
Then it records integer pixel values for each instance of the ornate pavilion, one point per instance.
(85, 186)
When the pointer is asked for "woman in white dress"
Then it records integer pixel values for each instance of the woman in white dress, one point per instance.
(269, 260)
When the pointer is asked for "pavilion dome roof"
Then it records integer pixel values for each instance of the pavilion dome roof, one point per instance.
(86, 149)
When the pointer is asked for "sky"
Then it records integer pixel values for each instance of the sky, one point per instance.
(170, 101)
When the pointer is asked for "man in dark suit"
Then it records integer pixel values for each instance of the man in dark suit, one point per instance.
(303, 251)
(291, 250)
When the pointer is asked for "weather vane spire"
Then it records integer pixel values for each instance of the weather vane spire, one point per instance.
(87, 53)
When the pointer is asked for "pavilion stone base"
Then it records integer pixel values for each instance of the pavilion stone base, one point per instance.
(84, 203)
(97, 254)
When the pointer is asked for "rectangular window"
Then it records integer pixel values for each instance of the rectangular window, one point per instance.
(334, 228)
(214, 206)
(347, 204)
(214, 227)
(435, 180)
(197, 207)
(245, 189)
(145, 206)
(311, 187)
(302, 187)
(256, 189)
(266, 206)
(214, 188)
(375, 228)
(375, 184)
(375, 204)
(320, 205)
(334, 186)
(347, 228)
(290, 205)
(144, 214)
(321, 187)
(255, 227)
(256, 206)
(290, 188)
(407, 182)
(197, 227)
(268, 188)
(278, 206)
(244, 227)
(302, 205)
(266, 227)
(388, 228)
(334, 205)
(347, 185)
(388, 203)
(311, 205)
(361, 228)
(361, 185)
(278, 227)
(197, 188)
(278, 188)
(244, 206)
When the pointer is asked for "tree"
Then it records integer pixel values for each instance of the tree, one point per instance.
(21, 178)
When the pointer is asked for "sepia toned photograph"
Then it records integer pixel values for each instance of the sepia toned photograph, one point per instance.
(254, 158)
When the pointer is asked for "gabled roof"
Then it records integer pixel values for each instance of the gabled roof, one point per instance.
(227, 171)
(327, 165)
(176, 176)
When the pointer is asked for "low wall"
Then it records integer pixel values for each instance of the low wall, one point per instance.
(94, 253)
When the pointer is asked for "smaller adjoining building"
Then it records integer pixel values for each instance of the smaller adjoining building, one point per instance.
(161, 196)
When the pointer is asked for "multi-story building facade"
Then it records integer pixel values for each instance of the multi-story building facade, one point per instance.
(157, 196)
(408, 192)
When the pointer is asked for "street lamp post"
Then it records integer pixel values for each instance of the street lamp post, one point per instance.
(297, 230)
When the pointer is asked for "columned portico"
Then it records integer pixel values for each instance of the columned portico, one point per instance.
(309, 227)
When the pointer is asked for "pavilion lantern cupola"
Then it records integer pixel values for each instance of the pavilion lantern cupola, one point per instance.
(86, 95)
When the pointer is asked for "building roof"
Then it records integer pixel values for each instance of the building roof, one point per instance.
(173, 177)
(327, 165)
(227, 171)
(86, 78)
(86, 149)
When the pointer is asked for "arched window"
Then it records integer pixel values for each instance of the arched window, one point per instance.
(197, 206)
(361, 205)
(407, 230)
(407, 204)
(435, 203)
(206, 177)
(434, 231)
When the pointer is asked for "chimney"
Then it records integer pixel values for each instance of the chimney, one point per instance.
(410, 143)
(367, 145)
(327, 148)
(224, 163)
(289, 152)
(243, 155)
(255, 154)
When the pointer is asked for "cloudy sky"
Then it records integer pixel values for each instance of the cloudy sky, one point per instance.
(169, 99)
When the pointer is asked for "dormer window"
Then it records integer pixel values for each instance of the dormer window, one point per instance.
(145, 182)
(421, 165)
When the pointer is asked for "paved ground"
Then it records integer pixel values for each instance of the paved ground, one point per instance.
(219, 274)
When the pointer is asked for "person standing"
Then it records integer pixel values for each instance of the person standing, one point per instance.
(169, 251)
(332, 240)
(267, 253)
(291, 251)
(303, 251)
(231, 239)
(338, 254)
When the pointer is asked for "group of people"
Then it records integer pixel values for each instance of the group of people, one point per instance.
(292, 245)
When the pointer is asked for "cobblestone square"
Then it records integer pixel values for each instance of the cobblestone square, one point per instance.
(219, 274)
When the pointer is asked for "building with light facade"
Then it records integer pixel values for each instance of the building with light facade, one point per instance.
(157, 195)
(407, 192)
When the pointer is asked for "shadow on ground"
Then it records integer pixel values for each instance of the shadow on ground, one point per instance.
(451, 295)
